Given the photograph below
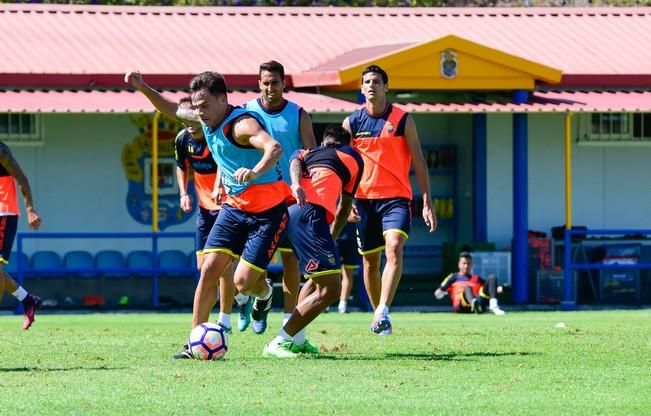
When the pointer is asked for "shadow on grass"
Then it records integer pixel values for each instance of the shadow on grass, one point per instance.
(46, 369)
(452, 356)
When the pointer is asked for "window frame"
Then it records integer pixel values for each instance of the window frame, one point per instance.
(625, 136)
(33, 137)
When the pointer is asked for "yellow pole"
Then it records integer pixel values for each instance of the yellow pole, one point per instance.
(568, 170)
(154, 172)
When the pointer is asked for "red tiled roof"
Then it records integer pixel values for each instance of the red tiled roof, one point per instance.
(81, 39)
(96, 101)
(128, 102)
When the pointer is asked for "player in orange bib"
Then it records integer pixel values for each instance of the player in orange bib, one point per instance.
(386, 138)
(469, 292)
(10, 173)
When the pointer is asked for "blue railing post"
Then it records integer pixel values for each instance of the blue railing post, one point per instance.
(570, 301)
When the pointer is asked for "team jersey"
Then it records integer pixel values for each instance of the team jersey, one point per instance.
(189, 152)
(8, 195)
(260, 194)
(327, 171)
(382, 144)
(284, 125)
(455, 284)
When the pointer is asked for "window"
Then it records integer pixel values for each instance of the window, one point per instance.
(20, 128)
(616, 128)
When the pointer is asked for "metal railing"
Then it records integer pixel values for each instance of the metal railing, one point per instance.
(570, 297)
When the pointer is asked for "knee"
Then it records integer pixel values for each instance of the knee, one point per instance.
(491, 280)
(328, 289)
(393, 246)
(330, 292)
(372, 261)
(241, 284)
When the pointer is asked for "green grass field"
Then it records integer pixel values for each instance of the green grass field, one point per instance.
(435, 363)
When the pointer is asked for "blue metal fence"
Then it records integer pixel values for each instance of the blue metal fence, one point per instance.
(569, 266)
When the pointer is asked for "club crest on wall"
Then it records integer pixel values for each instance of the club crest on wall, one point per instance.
(449, 64)
(137, 165)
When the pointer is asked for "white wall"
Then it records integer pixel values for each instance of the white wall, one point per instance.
(79, 184)
(610, 184)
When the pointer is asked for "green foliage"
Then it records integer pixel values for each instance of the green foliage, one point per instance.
(435, 363)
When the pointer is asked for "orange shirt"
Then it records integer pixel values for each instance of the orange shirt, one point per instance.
(327, 172)
(260, 197)
(383, 146)
(8, 196)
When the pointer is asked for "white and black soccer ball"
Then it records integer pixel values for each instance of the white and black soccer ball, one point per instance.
(208, 341)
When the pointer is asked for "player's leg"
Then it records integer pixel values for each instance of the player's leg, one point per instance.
(263, 235)
(347, 276)
(350, 259)
(291, 280)
(371, 244)
(205, 221)
(393, 268)
(372, 277)
(224, 243)
(29, 301)
(226, 297)
(205, 295)
(323, 290)
(310, 235)
(471, 300)
(489, 293)
(396, 224)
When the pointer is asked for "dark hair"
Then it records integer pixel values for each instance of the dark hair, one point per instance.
(212, 81)
(338, 133)
(272, 66)
(376, 70)
(185, 100)
(465, 255)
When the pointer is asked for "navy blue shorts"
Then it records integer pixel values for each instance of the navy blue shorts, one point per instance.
(285, 246)
(347, 246)
(380, 216)
(205, 220)
(8, 227)
(310, 235)
(251, 237)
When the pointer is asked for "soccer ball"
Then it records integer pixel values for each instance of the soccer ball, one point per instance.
(208, 341)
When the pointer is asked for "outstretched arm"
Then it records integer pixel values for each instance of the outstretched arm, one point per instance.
(162, 104)
(11, 165)
(422, 176)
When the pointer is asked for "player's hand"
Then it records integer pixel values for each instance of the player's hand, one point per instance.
(299, 195)
(430, 217)
(135, 79)
(33, 219)
(186, 203)
(440, 294)
(354, 214)
(244, 175)
(217, 195)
